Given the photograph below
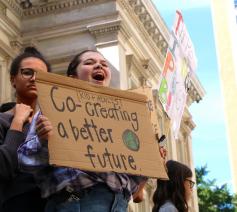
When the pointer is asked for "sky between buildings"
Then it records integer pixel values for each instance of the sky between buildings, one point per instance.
(209, 136)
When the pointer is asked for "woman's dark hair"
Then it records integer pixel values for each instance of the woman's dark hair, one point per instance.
(72, 67)
(172, 189)
(28, 52)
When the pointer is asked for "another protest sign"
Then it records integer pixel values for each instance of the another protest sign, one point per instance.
(180, 61)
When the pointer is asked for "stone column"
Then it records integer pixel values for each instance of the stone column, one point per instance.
(5, 85)
(107, 42)
(194, 200)
(187, 144)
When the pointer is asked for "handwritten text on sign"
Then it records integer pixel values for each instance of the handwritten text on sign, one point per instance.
(98, 131)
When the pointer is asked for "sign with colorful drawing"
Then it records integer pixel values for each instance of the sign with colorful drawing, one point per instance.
(98, 128)
(179, 63)
(181, 37)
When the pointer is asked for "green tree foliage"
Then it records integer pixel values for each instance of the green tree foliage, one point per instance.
(213, 198)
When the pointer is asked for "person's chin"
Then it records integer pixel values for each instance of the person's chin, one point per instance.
(32, 94)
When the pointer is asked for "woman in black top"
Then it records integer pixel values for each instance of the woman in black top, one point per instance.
(18, 191)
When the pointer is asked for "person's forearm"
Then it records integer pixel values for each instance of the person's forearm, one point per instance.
(17, 124)
(8, 154)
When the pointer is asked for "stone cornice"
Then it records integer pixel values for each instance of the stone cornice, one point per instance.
(103, 28)
(56, 6)
(139, 7)
(187, 123)
(14, 7)
(141, 71)
(3, 9)
(154, 71)
(6, 51)
(195, 89)
(41, 8)
(16, 44)
(8, 26)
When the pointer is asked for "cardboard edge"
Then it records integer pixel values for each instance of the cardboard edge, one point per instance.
(55, 79)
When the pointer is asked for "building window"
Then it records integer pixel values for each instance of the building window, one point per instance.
(235, 1)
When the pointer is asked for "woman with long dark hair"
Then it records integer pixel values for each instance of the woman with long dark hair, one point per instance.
(172, 195)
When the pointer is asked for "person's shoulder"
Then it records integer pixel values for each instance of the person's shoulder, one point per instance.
(6, 115)
(5, 118)
(168, 207)
(5, 122)
(7, 106)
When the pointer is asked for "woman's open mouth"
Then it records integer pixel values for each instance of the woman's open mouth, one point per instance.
(98, 76)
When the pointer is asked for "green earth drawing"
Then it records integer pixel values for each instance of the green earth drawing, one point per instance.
(131, 140)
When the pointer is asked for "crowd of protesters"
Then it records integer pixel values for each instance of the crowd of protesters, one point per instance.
(29, 184)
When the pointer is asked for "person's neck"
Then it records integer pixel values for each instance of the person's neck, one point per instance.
(29, 102)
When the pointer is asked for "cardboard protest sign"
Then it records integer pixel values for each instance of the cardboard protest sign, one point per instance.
(151, 107)
(97, 128)
(152, 98)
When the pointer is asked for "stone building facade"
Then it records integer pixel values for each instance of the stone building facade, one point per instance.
(130, 33)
